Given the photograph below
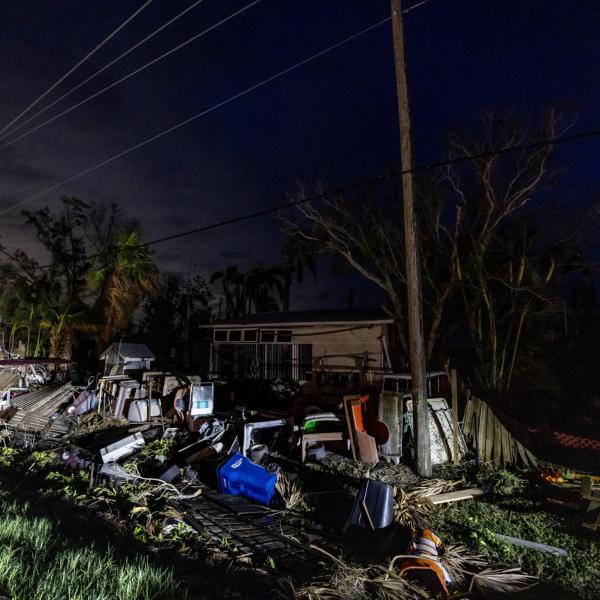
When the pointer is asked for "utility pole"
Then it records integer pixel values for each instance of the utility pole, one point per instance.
(413, 275)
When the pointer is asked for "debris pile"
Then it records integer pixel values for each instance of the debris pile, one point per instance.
(259, 479)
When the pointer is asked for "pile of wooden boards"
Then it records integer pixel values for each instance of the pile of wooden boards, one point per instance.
(492, 441)
(37, 410)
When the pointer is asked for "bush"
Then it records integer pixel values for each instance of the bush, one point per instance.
(526, 519)
(499, 481)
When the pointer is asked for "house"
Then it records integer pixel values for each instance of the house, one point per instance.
(298, 344)
(123, 356)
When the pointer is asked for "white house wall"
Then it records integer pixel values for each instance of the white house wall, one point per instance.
(342, 348)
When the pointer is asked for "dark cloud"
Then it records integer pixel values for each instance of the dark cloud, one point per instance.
(233, 254)
(17, 171)
(333, 120)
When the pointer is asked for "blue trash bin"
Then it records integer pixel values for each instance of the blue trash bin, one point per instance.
(239, 475)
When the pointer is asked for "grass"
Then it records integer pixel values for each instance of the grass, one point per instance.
(36, 564)
(524, 518)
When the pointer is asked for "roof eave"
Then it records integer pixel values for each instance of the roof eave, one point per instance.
(297, 324)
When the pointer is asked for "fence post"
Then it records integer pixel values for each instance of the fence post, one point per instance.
(455, 432)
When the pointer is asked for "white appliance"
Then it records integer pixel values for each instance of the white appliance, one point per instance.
(202, 399)
(138, 410)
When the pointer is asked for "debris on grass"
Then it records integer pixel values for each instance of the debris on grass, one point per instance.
(412, 507)
(289, 489)
(502, 581)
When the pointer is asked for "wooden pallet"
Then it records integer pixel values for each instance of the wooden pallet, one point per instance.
(255, 531)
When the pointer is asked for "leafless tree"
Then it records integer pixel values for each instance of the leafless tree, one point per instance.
(476, 248)
(504, 279)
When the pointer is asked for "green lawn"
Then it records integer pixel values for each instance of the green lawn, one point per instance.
(475, 521)
(37, 564)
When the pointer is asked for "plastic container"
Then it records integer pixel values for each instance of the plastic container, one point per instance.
(373, 505)
(239, 475)
(316, 452)
(257, 452)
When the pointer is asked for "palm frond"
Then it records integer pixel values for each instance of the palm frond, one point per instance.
(502, 581)
(412, 506)
(290, 491)
(460, 563)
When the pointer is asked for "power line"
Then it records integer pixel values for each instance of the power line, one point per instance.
(207, 111)
(196, 116)
(581, 136)
(104, 68)
(129, 75)
(72, 69)
(376, 179)
(110, 64)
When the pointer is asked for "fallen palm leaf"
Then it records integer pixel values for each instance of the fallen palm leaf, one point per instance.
(459, 562)
(502, 581)
(389, 585)
(410, 511)
(432, 487)
(412, 506)
(290, 491)
(352, 582)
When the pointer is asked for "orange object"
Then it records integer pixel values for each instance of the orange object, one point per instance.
(551, 475)
(424, 568)
(364, 447)
(357, 411)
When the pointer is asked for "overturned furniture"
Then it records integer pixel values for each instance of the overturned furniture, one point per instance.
(320, 428)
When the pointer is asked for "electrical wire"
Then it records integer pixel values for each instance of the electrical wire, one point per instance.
(195, 117)
(104, 68)
(378, 178)
(129, 75)
(580, 136)
(72, 69)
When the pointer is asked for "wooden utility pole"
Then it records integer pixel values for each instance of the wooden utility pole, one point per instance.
(413, 276)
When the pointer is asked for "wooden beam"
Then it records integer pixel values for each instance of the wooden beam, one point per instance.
(456, 496)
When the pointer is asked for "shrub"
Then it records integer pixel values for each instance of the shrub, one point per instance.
(499, 481)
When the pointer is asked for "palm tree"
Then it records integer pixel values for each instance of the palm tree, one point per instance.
(233, 290)
(122, 274)
(249, 292)
(259, 283)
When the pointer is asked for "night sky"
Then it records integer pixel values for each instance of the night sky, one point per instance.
(333, 120)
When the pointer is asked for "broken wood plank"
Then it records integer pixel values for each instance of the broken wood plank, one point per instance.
(456, 496)
(347, 400)
(455, 432)
(489, 434)
(468, 417)
(481, 426)
(586, 485)
(507, 456)
(497, 441)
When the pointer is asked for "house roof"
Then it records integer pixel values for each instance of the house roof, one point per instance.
(128, 350)
(354, 316)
